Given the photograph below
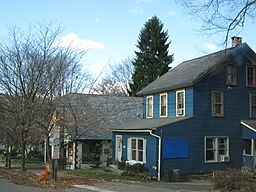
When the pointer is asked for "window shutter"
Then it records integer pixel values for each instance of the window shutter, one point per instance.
(144, 150)
(129, 149)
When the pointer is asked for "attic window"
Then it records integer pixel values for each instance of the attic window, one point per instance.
(231, 74)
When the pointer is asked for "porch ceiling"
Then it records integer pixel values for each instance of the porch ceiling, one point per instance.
(149, 124)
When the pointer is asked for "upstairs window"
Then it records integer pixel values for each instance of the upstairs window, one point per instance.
(163, 105)
(217, 103)
(251, 76)
(149, 107)
(231, 74)
(253, 105)
(180, 103)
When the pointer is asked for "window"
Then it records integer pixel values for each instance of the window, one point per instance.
(180, 103)
(216, 149)
(253, 105)
(149, 106)
(163, 105)
(136, 149)
(251, 76)
(231, 74)
(217, 103)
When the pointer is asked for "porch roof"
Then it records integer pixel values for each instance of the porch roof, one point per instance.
(148, 124)
(249, 129)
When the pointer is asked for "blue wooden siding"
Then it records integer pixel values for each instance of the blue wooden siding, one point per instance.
(171, 103)
(198, 103)
(151, 149)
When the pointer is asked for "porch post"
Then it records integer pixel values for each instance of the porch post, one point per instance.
(253, 152)
(252, 147)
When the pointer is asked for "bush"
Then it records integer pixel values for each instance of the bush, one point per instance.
(120, 165)
(232, 180)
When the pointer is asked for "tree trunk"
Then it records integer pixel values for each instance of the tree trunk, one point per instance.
(23, 149)
(48, 151)
(9, 157)
(23, 158)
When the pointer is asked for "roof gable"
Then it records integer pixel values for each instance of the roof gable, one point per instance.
(188, 72)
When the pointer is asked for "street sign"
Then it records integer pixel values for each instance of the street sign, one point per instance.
(55, 152)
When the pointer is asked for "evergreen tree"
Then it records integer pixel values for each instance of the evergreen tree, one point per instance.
(152, 59)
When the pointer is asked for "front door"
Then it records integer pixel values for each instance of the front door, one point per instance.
(119, 147)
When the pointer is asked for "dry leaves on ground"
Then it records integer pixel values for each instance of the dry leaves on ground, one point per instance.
(31, 179)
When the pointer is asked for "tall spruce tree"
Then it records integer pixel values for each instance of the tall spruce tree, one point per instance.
(152, 60)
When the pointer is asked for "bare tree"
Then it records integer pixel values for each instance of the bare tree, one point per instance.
(116, 82)
(221, 16)
(34, 71)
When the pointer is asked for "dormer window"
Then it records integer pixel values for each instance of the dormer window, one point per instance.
(149, 106)
(231, 74)
(163, 105)
(180, 103)
(251, 76)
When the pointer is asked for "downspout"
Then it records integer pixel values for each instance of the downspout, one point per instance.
(159, 153)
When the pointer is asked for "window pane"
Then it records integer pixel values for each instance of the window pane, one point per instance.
(163, 106)
(231, 74)
(210, 155)
(140, 153)
(134, 155)
(251, 76)
(149, 106)
(140, 144)
(210, 143)
(211, 149)
(217, 103)
(253, 105)
(133, 143)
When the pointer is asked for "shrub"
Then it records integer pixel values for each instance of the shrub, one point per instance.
(232, 180)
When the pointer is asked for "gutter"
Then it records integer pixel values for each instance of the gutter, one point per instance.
(159, 153)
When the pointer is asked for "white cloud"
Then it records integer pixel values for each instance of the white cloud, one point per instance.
(73, 41)
(137, 10)
(210, 46)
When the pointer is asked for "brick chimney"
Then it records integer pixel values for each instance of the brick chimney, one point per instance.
(236, 41)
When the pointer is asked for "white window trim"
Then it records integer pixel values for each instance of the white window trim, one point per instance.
(184, 108)
(152, 111)
(160, 105)
(129, 148)
(217, 150)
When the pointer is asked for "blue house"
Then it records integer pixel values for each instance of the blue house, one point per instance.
(198, 117)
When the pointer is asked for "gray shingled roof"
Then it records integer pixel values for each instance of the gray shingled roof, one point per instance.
(107, 112)
(148, 124)
(188, 72)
